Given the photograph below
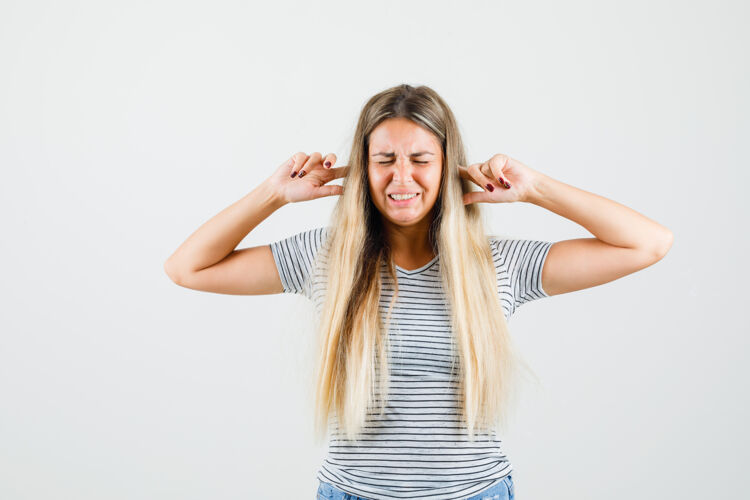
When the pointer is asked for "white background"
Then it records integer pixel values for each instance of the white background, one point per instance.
(124, 126)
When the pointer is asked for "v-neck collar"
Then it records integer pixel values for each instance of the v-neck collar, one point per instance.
(417, 270)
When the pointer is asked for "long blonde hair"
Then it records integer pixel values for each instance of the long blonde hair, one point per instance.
(353, 344)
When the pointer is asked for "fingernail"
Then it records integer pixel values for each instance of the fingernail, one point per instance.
(490, 187)
(507, 185)
(293, 174)
(302, 172)
(327, 164)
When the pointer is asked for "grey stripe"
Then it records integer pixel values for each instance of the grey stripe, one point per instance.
(419, 449)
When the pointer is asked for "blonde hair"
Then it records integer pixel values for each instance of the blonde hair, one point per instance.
(353, 343)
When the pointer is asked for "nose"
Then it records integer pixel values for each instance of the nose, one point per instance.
(402, 171)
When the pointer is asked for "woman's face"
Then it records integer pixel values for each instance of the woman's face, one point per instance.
(404, 158)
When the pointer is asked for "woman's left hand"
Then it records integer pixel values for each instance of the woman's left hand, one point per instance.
(502, 179)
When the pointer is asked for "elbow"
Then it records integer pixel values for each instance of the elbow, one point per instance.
(171, 271)
(663, 247)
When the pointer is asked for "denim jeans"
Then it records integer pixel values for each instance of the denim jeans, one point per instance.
(501, 491)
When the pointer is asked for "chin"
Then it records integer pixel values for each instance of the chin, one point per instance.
(406, 222)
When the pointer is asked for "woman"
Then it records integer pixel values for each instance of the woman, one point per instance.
(415, 366)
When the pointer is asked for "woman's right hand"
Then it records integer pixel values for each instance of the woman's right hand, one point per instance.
(304, 177)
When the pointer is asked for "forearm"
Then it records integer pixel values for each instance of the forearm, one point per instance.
(221, 234)
(607, 220)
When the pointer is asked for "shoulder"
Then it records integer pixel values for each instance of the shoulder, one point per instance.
(311, 237)
(500, 245)
(302, 245)
(505, 246)
(517, 254)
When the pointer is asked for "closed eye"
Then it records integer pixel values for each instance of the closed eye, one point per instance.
(387, 162)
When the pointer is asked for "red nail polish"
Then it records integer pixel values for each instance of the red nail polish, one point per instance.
(328, 164)
(301, 173)
(293, 174)
(490, 187)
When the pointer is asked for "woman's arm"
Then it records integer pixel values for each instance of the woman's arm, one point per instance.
(216, 240)
(221, 234)
(625, 242)
(608, 220)
(208, 261)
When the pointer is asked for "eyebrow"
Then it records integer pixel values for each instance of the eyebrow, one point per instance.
(391, 154)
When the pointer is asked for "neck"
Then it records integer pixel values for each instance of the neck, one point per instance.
(410, 245)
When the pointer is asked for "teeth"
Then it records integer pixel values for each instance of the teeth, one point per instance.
(402, 196)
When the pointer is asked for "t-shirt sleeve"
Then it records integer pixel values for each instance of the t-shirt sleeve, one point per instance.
(519, 264)
(295, 257)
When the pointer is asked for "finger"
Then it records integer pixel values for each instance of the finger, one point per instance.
(339, 172)
(289, 163)
(476, 197)
(331, 190)
(329, 160)
(312, 160)
(464, 173)
(299, 159)
(482, 180)
(497, 163)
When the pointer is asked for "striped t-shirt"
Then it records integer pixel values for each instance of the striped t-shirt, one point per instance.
(419, 449)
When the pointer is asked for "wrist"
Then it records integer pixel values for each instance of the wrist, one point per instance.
(537, 187)
(270, 196)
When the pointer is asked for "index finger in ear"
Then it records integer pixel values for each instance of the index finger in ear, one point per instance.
(339, 172)
(463, 173)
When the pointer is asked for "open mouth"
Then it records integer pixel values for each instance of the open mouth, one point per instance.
(403, 199)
